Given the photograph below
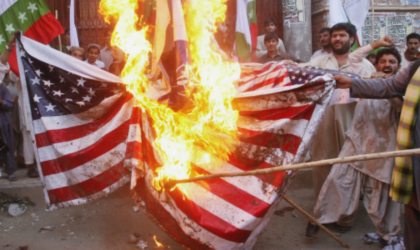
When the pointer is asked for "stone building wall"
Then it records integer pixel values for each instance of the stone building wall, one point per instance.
(392, 17)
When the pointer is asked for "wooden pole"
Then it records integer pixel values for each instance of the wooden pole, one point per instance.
(171, 183)
(59, 36)
(312, 219)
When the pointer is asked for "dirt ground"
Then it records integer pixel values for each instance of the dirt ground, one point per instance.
(108, 222)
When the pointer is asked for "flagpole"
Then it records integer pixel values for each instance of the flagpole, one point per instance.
(170, 183)
(59, 36)
(28, 114)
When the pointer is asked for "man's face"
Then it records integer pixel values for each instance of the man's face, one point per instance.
(325, 39)
(77, 54)
(372, 59)
(93, 54)
(413, 45)
(341, 42)
(388, 64)
(271, 27)
(271, 45)
(67, 38)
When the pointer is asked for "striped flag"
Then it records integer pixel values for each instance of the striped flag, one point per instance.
(85, 126)
(246, 30)
(32, 17)
(90, 137)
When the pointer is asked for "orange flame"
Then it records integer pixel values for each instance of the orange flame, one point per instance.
(211, 123)
(158, 244)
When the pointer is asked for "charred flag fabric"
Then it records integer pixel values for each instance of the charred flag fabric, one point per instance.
(91, 138)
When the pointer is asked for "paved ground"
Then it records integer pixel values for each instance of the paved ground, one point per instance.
(108, 222)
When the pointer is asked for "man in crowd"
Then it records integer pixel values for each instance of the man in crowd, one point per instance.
(112, 56)
(325, 41)
(270, 26)
(6, 106)
(337, 117)
(405, 184)
(273, 54)
(65, 47)
(412, 52)
(373, 130)
(92, 56)
(76, 52)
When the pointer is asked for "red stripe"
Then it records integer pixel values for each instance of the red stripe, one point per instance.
(276, 80)
(88, 187)
(100, 147)
(68, 134)
(134, 151)
(246, 164)
(286, 142)
(163, 218)
(202, 217)
(294, 113)
(44, 30)
(256, 73)
(233, 195)
(207, 220)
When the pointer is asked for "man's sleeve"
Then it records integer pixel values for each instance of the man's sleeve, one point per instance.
(7, 99)
(281, 46)
(378, 88)
(260, 47)
(357, 61)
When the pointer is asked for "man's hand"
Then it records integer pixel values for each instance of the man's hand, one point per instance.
(12, 41)
(386, 41)
(378, 75)
(15, 99)
(343, 82)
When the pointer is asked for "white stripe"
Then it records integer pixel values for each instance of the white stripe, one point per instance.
(266, 75)
(88, 170)
(88, 116)
(250, 184)
(134, 133)
(189, 227)
(64, 148)
(281, 126)
(68, 63)
(221, 208)
(6, 4)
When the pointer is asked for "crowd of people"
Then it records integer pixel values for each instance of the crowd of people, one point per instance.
(370, 125)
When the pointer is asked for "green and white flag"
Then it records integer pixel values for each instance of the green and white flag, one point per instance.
(246, 29)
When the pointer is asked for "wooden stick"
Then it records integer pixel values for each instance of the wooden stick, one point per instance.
(312, 219)
(171, 183)
(59, 36)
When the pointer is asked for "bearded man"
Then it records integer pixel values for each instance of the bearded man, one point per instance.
(373, 130)
(412, 52)
(330, 137)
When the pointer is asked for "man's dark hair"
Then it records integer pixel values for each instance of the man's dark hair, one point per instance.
(325, 29)
(67, 31)
(268, 21)
(388, 51)
(348, 27)
(413, 35)
(270, 36)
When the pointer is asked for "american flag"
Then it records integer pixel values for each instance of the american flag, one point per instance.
(90, 137)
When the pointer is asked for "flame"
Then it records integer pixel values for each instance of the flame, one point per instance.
(158, 244)
(211, 123)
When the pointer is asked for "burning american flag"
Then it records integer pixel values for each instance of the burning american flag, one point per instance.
(91, 136)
